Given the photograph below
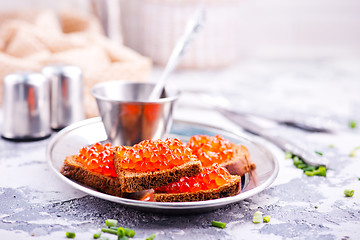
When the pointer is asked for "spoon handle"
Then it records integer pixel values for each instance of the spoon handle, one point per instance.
(192, 27)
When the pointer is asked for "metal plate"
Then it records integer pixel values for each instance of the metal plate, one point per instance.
(69, 140)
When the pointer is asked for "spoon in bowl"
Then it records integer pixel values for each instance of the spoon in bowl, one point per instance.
(193, 26)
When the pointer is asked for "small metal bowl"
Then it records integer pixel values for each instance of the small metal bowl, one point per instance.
(128, 116)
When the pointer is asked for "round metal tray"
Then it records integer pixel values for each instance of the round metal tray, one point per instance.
(69, 140)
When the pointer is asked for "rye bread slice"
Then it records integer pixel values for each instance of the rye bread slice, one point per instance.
(229, 189)
(240, 163)
(74, 170)
(132, 181)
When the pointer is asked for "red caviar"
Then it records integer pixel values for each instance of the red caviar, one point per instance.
(210, 178)
(211, 150)
(98, 158)
(152, 155)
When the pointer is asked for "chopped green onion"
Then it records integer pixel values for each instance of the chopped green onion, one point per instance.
(70, 234)
(297, 161)
(151, 237)
(331, 145)
(104, 238)
(97, 235)
(109, 230)
(120, 232)
(266, 219)
(353, 152)
(301, 165)
(349, 193)
(309, 168)
(352, 124)
(115, 228)
(218, 224)
(111, 222)
(320, 153)
(129, 232)
(257, 218)
(321, 171)
(359, 178)
(288, 155)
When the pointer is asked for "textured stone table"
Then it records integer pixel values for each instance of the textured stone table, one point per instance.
(35, 204)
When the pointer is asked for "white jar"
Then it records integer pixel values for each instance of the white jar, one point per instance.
(152, 27)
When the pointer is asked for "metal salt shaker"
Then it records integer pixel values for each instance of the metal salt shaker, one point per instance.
(66, 95)
(26, 107)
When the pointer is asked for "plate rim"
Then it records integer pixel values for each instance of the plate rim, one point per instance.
(213, 203)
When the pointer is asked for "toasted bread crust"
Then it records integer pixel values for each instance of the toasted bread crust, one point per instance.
(132, 181)
(74, 170)
(240, 163)
(230, 189)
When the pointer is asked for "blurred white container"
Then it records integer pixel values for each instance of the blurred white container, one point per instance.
(152, 28)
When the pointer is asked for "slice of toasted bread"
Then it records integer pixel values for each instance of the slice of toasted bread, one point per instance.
(240, 163)
(132, 181)
(229, 189)
(76, 171)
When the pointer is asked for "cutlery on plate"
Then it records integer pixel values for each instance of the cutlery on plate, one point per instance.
(271, 133)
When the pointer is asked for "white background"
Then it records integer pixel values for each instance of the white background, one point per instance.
(276, 28)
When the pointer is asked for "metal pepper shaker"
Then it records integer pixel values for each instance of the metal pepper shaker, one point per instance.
(66, 95)
(26, 106)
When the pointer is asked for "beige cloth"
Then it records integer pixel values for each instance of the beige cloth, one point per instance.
(30, 40)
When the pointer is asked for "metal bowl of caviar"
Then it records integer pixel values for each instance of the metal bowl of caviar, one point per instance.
(85, 133)
(127, 114)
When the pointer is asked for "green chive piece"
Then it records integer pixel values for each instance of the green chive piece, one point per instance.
(70, 234)
(316, 206)
(266, 219)
(309, 168)
(297, 162)
(349, 193)
(151, 237)
(320, 153)
(302, 166)
(109, 230)
(257, 218)
(121, 232)
(114, 228)
(288, 155)
(359, 178)
(218, 224)
(97, 235)
(321, 171)
(111, 222)
(104, 238)
(331, 145)
(129, 232)
(352, 124)
(353, 152)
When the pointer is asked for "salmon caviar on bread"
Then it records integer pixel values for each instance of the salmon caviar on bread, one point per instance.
(98, 158)
(154, 155)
